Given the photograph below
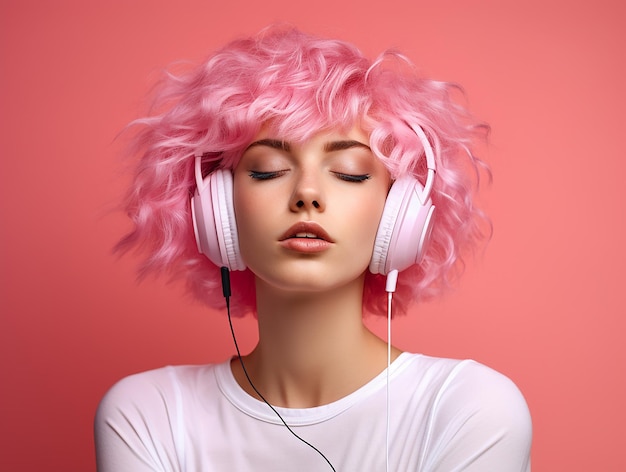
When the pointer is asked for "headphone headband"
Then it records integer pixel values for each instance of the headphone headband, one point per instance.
(430, 160)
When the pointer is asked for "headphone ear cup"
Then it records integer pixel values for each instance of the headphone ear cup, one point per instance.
(214, 223)
(404, 229)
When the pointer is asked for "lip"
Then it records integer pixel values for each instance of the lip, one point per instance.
(303, 244)
(306, 227)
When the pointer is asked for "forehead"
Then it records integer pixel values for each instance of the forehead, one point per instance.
(342, 147)
(273, 135)
(320, 138)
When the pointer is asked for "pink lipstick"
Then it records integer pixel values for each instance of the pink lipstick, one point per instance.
(306, 237)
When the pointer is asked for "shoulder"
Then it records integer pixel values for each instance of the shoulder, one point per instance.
(477, 416)
(486, 394)
(461, 383)
(156, 390)
(138, 423)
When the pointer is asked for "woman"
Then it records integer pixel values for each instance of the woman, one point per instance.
(315, 177)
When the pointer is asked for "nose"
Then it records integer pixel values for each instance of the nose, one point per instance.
(307, 194)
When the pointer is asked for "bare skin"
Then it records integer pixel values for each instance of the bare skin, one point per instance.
(314, 348)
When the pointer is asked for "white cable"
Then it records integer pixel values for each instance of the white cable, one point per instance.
(390, 287)
(389, 297)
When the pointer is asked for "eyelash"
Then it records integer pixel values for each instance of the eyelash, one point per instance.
(352, 178)
(265, 175)
(356, 178)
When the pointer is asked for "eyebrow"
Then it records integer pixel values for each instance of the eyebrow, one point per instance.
(273, 143)
(328, 147)
(341, 145)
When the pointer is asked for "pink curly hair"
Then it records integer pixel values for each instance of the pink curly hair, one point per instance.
(299, 85)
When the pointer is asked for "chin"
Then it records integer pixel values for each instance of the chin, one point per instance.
(306, 281)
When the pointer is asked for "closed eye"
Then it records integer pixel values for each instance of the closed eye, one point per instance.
(352, 177)
(266, 175)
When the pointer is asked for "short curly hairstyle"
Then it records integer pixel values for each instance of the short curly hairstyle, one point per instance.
(299, 85)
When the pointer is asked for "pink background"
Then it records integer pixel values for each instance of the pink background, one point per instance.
(545, 305)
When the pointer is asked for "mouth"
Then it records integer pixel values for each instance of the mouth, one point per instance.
(305, 235)
(306, 230)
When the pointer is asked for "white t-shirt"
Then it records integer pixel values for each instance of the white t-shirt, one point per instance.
(445, 415)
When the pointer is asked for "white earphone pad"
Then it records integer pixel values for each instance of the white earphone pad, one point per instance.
(214, 221)
(223, 204)
(404, 228)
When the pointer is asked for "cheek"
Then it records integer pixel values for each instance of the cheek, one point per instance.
(246, 210)
(373, 220)
(366, 215)
(377, 206)
(255, 216)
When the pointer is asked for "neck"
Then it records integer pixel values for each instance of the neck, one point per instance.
(313, 348)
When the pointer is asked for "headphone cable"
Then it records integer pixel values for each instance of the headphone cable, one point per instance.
(390, 287)
(227, 293)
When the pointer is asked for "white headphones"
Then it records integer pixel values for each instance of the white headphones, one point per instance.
(401, 240)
